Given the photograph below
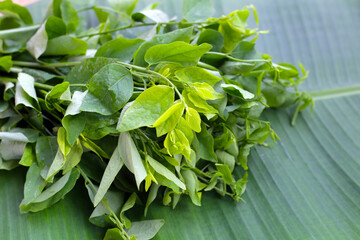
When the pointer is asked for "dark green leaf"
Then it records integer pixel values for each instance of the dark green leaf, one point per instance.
(121, 48)
(178, 35)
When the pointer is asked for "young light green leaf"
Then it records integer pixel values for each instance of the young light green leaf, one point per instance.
(164, 171)
(147, 108)
(109, 89)
(168, 120)
(29, 156)
(121, 48)
(176, 52)
(6, 63)
(131, 157)
(177, 143)
(206, 92)
(193, 119)
(196, 75)
(237, 91)
(114, 165)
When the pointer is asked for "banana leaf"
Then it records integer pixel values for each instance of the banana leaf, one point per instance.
(307, 186)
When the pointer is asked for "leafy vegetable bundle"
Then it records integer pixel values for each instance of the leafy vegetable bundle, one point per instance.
(167, 109)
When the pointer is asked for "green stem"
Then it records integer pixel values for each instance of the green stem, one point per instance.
(157, 74)
(44, 65)
(207, 66)
(36, 84)
(6, 33)
(335, 93)
(141, 25)
(236, 59)
(118, 223)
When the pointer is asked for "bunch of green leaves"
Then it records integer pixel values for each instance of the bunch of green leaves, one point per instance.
(167, 113)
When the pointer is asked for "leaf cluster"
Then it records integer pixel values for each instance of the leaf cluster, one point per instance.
(163, 113)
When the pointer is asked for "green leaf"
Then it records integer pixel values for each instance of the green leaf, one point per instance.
(38, 42)
(192, 186)
(176, 52)
(46, 150)
(177, 143)
(25, 91)
(152, 103)
(193, 119)
(197, 10)
(113, 234)
(169, 119)
(82, 73)
(162, 170)
(74, 124)
(146, 229)
(73, 158)
(20, 135)
(29, 156)
(34, 184)
(204, 145)
(121, 48)
(65, 45)
(11, 150)
(109, 89)
(53, 194)
(131, 157)
(100, 216)
(127, 205)
(6, 63)
(112, 169)
(196, 75)
(72, 211)
(60, 91)
(177, 35)
(55, 27)
(213, 37)
(237, 91)
(14, 10)
(69, 15)
(125, 5)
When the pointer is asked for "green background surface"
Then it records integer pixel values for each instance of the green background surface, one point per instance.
(307, 186)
